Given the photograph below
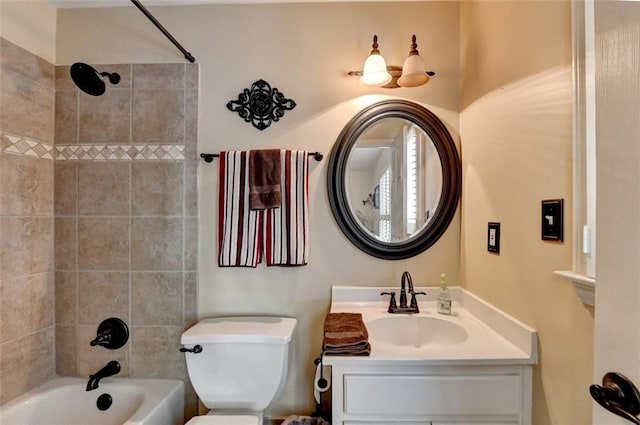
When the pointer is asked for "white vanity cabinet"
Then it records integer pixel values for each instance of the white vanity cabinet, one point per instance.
(370, 394)
(472, 367)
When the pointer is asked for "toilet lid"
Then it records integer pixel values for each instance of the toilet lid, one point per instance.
(224, 420)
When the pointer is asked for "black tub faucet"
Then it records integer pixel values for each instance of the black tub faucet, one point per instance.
(112, 368)
(113, 333)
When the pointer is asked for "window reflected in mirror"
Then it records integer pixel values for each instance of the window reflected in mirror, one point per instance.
(394, 179)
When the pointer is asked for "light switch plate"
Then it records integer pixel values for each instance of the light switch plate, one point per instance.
(553, 220)
(493, 238)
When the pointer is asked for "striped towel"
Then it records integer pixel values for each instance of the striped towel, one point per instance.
(287, 227)
(239, 228)
(242, 232)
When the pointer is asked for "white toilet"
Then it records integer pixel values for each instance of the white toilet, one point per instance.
(241, 368)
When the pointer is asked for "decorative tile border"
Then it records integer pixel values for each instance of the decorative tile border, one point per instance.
(23, 146)
(17, 145)
(119, 152)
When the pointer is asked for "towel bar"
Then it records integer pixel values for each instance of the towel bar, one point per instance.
(208, 157)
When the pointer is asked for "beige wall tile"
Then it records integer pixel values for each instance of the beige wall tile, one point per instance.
(26, 109)
(170, 76)
(103, 188)
(191, 190)
(66, 119)
(65, 243)
(26, 246)
(156, 243)
(92, 359)
(14, 58)
(26, 305)
(103, 243)
(190, 243)
(191, 140)
(26, 363)
(156, 298)
(66, 358)
(65, 194)
(66, 297)
(27, 101)
(5, 142)
(190, 299)
(158, 116)
(102, 295)
(63, 78)
(123, 70)
(156, 188)
(191, 87)
(155, 352)
(64, 81)
(105, 119)
(26, 185)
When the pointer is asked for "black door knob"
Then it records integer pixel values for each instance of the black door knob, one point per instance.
(618, 395)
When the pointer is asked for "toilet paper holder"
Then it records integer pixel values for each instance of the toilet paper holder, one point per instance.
(320, 383)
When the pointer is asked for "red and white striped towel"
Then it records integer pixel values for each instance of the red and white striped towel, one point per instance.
(287, 228)
(239, 228)
(284, 230)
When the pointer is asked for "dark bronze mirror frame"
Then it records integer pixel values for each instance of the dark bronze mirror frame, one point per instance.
(451, 179)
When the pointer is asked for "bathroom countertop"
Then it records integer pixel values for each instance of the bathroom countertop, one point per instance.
(489, 336)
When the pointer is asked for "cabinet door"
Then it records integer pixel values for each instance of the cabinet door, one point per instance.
(480, 422)
(400, 396)
(451, 422)
(387, 423)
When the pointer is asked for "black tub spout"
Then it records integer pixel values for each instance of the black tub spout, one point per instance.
(112, 368)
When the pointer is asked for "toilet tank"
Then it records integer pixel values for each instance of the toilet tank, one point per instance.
(243, 363)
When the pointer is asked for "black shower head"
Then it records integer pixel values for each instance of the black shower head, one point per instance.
(89, 80)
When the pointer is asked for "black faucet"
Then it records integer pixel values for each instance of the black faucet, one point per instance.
(403, 308)
(112, 368)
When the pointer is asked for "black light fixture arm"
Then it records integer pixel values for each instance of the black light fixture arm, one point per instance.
(152, 18)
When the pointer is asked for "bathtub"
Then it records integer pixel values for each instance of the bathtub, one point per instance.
(64, 401)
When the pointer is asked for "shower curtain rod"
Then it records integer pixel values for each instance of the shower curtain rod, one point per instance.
(148, 14)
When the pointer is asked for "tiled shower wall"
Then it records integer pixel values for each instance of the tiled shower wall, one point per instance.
(125, 211)
(27, 98)
(115, 176)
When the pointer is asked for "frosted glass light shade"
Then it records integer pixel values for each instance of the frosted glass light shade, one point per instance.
(414, 72)
(375, 72)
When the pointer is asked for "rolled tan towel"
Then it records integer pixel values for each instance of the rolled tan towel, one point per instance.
(345, 333)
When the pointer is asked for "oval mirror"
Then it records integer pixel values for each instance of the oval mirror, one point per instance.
(394, 179)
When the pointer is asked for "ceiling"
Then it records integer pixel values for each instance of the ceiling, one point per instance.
(118, 3)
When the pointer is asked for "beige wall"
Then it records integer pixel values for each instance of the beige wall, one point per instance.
(516, 137)
(31, 24)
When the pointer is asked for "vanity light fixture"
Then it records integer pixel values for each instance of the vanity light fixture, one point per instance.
(376, 73)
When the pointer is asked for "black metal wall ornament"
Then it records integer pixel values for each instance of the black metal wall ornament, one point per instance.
(261, 104)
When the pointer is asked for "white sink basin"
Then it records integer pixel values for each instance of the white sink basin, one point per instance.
(415, 331)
